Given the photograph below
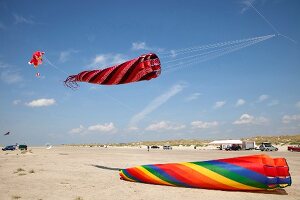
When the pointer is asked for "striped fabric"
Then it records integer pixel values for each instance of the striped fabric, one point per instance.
(256, 172)
(145, 67)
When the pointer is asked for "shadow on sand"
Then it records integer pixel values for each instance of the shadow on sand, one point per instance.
(107, 168)
(276, 192)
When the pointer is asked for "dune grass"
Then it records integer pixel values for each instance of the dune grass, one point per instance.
(19, 170)
(276, 140)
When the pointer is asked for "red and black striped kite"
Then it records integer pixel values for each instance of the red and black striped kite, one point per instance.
(144, 67)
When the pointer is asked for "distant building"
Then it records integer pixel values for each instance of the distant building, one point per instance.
(226, 143)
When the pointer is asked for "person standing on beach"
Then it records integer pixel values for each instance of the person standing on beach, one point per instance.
(148, 148)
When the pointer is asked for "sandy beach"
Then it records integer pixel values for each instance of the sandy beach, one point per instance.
(92, 173)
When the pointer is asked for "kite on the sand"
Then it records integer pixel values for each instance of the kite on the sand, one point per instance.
(246, 173)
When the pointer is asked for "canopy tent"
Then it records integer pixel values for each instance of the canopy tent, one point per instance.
(220, 142)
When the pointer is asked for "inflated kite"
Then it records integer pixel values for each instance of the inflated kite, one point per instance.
(37, 58)
(144, 67)
(256, 172)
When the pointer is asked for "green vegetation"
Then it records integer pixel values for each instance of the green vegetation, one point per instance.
(276, 140)
(181, 142)
(20, 170)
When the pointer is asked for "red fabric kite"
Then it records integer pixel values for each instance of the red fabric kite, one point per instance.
(37, 58)
(144, 67)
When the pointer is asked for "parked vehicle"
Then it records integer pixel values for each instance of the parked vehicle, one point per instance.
(267, 146)
(167, 147)
(9, 148)
(233, 147)
(294, 148)
(248, 145)
(154, 147)
(23, 147)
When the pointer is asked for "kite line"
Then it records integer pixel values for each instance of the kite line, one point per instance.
(178, 59)
(270, 24)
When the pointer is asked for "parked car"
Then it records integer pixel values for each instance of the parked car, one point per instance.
(167, 147)
(154, 147)
(234, 147)
(267, 146)
(23, 147)
(10, 148)
(294, 148)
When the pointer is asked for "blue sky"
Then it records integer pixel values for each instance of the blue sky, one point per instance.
(251, 91)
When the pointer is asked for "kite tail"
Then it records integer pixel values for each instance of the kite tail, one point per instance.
(71, 82)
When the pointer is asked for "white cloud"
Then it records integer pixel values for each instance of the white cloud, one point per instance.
(203, 125)
(173, 53)
(100, 128)
(4, 65)
(298, 104)
(286, 119)
(219, 104)
(246, 4)
(136, 46)
(65, 55)
(10, 77)
(263, 97)
(41, 102)
(139, 46)
(133, 128)
(17, 101)
(156, 103)
(107, 127)
(273, 103)
(249, 119)
(193, 96)
(78, 130)
(107, 60)
(240, 102)
(244, 119)
(164, 125)
(20, 19)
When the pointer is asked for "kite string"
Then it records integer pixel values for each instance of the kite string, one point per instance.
(205, 53)
(209, 54)
(175, 52)
(54, 66)
(264, 18)
(271, 25)
(223, 51)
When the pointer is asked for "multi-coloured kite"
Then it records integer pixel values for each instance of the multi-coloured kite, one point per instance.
(144, 67)
(36, 60)
(256, 172)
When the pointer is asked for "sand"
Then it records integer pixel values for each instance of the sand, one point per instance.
(83, 173)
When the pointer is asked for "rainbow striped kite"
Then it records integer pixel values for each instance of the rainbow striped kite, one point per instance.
(256, 172)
